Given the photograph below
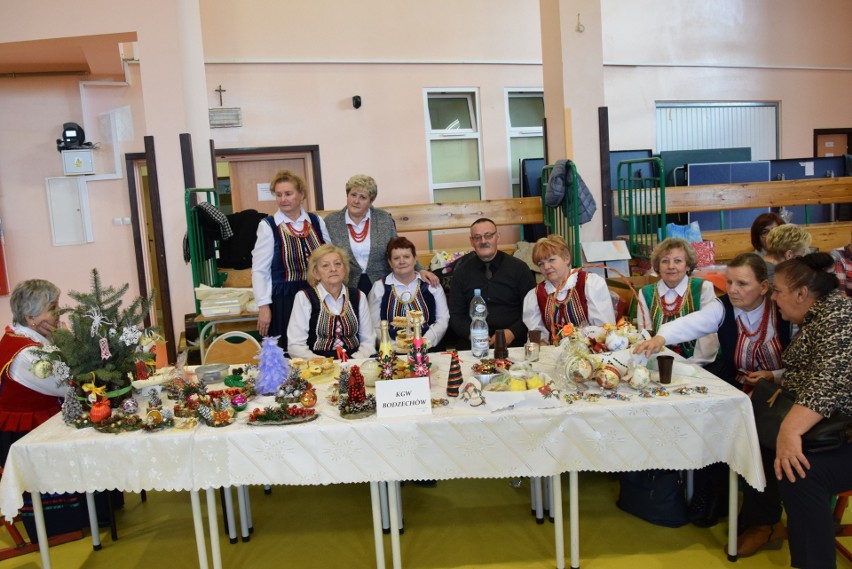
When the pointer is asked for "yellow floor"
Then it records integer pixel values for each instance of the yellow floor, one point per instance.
(460, 523)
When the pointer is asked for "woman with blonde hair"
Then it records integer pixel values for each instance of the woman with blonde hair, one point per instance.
(328, 316)
(279, 265)
(363, 231)
(783, 243)
(566, 295)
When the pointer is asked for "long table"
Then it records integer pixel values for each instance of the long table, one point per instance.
(458, 441)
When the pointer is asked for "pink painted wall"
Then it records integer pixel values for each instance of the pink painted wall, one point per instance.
(798, 53)
(32, 111)
(728, 32)
(291, 104)
(390, 30)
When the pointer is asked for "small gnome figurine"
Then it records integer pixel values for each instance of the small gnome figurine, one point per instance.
(454, 380)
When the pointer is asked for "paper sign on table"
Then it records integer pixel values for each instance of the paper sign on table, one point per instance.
(399, 397)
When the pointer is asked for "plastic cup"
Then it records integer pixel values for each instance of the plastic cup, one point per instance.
(664, 364)
(501, 352)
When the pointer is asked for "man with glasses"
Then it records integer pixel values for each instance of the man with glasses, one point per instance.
(503, 280)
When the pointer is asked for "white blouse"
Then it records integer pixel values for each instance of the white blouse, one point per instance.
(264, 248)
(360, 251)
(703, 322)
(436, 331)
(21, 367)
(707, 346)
(598, 300)
(298, 328)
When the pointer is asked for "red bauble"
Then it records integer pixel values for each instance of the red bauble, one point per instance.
(100, 411)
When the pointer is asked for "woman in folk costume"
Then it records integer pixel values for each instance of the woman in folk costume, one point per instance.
(565, 296)
(328, 317)
(363, 231)
(677, 294)
(27, 399)
(752, 336)
(284, 244)
(404, 290)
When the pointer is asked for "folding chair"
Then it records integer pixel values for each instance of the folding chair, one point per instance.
(234, 348)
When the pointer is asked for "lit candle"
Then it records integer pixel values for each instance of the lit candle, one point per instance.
(531, 351)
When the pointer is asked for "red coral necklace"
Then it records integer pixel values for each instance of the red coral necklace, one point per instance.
(671, 308)
(306, 229)
(359, 236)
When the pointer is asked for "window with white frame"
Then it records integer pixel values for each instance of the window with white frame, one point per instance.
(525, 128)
(453, 149)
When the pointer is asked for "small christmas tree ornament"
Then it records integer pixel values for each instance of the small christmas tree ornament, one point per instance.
(71, 407)
(154, 400)
(454, 380)
(343, 382)
(356, 391)
(292, 389)
(309, 398)
(354, 401)
(273, 367)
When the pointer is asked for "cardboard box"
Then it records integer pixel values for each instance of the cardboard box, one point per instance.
(611, 254)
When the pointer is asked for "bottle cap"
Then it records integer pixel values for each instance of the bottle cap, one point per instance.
(477, 292)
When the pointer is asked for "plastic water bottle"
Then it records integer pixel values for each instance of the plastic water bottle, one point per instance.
(478, 309)
(478, 326)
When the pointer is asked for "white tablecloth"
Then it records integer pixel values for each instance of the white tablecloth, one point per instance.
(678, 432)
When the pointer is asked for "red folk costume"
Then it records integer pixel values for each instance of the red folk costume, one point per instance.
(21, 408)
(574, 308)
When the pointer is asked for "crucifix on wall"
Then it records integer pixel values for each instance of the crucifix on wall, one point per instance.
(220, 91)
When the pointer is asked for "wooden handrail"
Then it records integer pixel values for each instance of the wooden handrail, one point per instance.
(715, 197)
(460, 215)
(730, 242)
